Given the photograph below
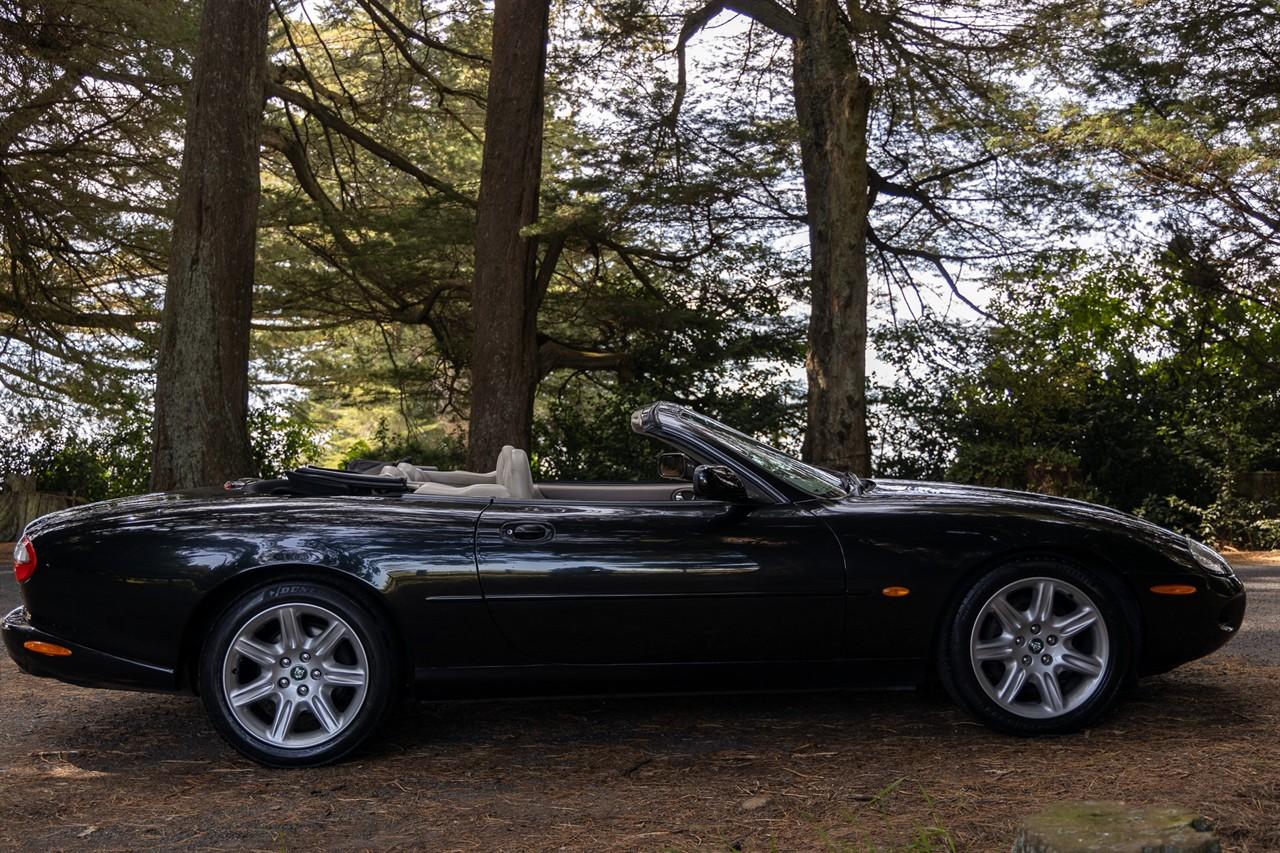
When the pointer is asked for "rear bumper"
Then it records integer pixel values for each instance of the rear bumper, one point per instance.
(84, 666)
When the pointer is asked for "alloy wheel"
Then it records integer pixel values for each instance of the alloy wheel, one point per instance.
(1040, 647)
(295, 675)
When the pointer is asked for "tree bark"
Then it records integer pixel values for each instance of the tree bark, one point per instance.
(202, 373)
(506, 293)
(832, 104)
(833, 101)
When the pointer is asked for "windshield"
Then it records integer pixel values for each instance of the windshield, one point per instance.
(806, 478)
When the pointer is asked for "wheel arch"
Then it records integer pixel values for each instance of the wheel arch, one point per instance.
(1082, 559)
(220, 597)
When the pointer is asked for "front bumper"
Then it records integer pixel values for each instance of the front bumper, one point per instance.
(84, 666)
(1180, 629)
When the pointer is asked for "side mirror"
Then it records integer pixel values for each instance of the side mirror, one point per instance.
(718, 483)
(673, 466)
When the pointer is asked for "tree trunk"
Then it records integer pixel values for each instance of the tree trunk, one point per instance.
(202, 374)
(832, 103)
(506, 294)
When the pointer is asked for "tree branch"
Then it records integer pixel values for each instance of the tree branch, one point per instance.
(337, 123)
(22, 117)
(547, 267)
(50, 313)
(935, 259)
(388, 296)
(878, 184)
(412, 34)
(767, 12)
(398, 32)
(291, 148)
(553, 355)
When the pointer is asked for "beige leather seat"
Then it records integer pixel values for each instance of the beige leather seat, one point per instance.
(515, 474)
(511, 478)
(478, 490)
(461, 478)
(413, 473)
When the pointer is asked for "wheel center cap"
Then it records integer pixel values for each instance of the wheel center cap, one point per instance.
(1036, 646)
(299, 673)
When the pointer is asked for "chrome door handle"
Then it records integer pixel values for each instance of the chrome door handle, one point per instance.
(526, 531)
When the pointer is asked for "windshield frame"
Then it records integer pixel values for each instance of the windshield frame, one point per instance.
(681, 426)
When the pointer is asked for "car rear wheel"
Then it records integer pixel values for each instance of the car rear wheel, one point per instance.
(1037, 647)
(295, 674)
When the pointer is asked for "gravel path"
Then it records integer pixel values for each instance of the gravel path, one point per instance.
(1259, 639)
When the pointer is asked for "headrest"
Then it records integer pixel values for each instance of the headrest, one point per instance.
(514, 473)
(412, 473)
(503, 465)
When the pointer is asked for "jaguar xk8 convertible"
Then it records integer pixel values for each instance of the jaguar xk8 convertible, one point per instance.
(298, 609)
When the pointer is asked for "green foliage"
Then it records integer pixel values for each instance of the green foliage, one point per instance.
(1131, 381)
(92, 103)
(668, 260)
(582, 425)
(110, 459)
(279, 440)
(584, 433)
(436, 448)
(1175, 101)
(113, 464)
(358, 449)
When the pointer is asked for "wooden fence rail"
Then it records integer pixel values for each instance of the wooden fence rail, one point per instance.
(20, 504)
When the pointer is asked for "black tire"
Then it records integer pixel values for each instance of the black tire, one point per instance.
(364, 642)
(960, 673)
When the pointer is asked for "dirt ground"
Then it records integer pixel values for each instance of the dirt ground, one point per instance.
(867, 771)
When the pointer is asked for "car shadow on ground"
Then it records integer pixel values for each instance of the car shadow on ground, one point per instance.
(121, 730)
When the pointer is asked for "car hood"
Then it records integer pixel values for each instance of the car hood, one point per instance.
(1009, 500)
(926, 488)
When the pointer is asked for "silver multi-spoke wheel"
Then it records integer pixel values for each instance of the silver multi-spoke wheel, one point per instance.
(1040, 647)
(295, 675)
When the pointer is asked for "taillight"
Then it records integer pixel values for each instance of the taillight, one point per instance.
(24, 560)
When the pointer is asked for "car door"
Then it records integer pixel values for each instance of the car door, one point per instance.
(670, 581)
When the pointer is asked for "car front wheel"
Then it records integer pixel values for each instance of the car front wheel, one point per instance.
(1037, 647)
(295, 674)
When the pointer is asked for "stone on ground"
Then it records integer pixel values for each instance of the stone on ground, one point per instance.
(1112, 827)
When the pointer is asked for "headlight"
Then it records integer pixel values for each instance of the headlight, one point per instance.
(1210, 560)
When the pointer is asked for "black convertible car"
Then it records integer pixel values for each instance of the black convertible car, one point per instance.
(299, 608)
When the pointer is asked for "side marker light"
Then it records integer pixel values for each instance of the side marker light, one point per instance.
(47, 649)
(1173, 589)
